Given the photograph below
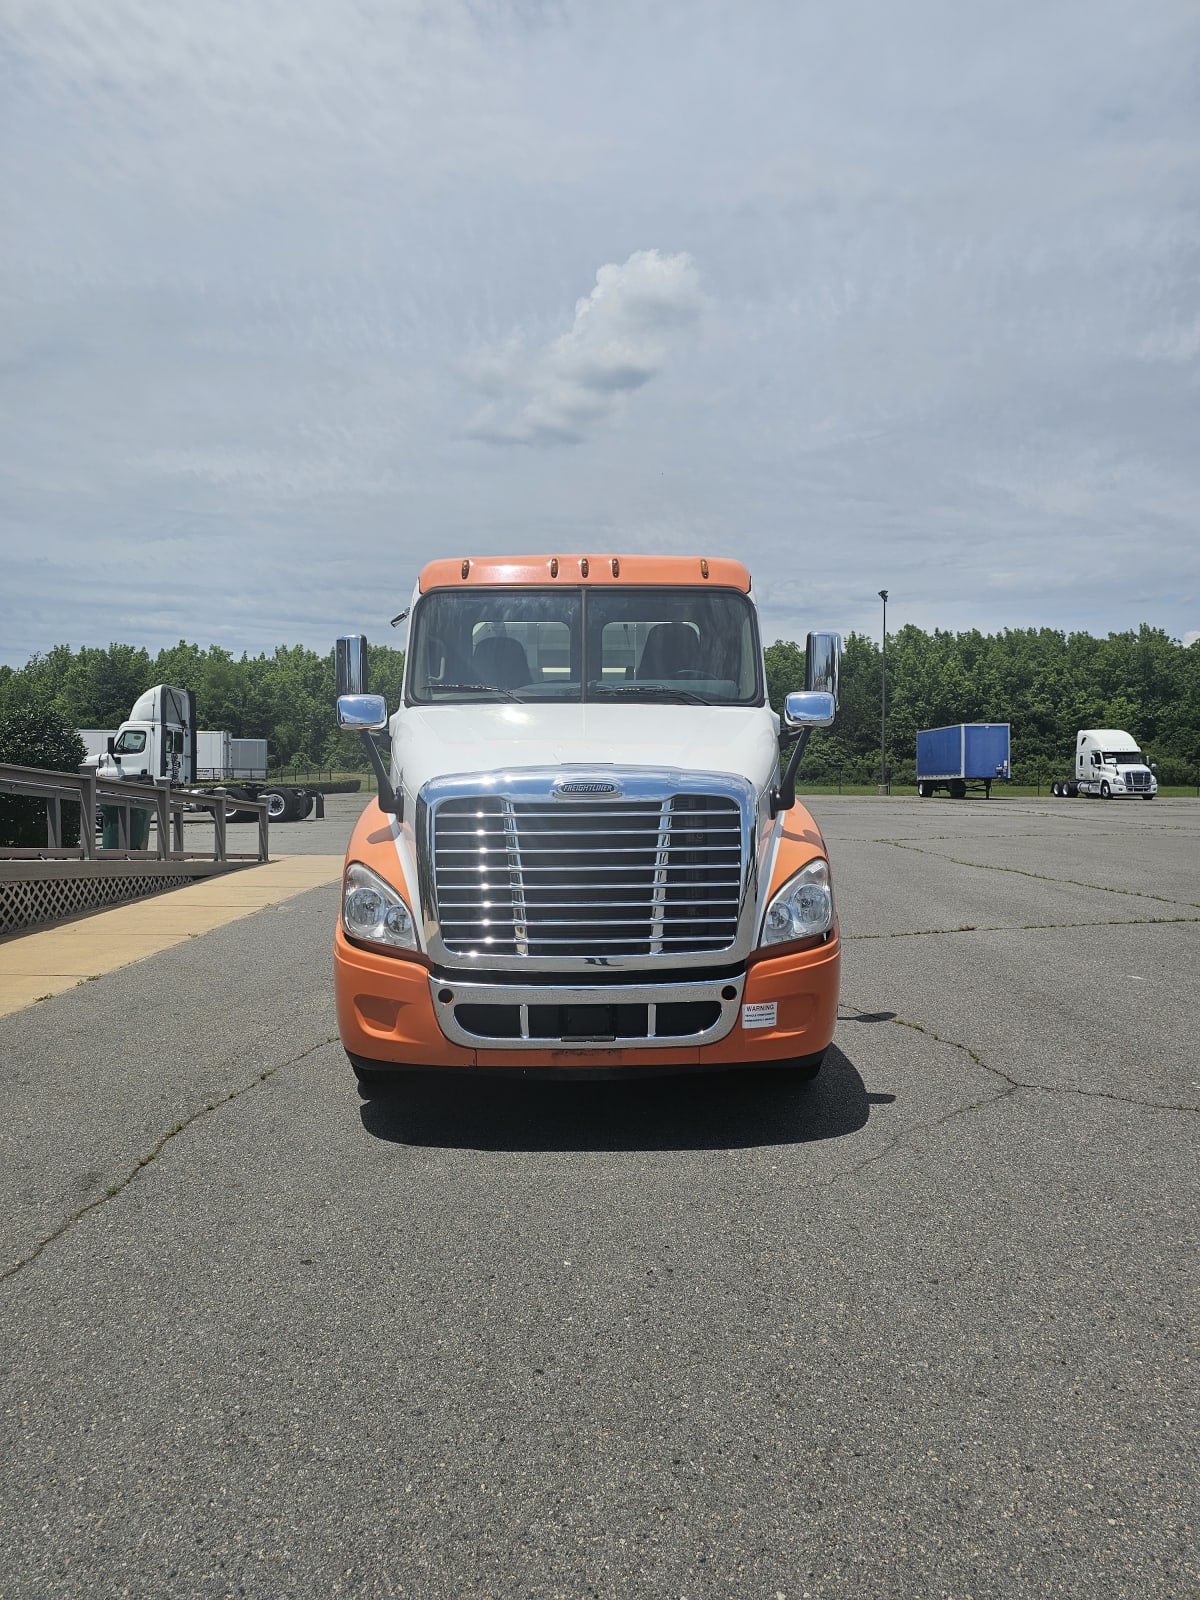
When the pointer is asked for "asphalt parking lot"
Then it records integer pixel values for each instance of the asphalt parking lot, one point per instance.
(926, 1329)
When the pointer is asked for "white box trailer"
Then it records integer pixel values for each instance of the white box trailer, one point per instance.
(212, 755)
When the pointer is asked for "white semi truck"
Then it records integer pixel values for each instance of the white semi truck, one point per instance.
(1108, 766)
(159, 739)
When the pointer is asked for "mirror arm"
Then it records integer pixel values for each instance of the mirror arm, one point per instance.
(387, 795)
(784, 797)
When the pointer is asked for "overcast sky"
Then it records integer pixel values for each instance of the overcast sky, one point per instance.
(298, 294)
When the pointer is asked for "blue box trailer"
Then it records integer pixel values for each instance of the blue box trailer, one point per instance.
(965, 755)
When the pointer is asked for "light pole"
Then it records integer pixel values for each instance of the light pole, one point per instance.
(883, 783)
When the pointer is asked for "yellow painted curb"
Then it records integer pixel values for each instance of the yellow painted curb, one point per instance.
(48, 960)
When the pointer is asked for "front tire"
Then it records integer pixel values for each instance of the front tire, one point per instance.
(1105, 792)
(794, 1073)
(376, 1083)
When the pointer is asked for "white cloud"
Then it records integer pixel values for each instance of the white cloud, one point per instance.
(622, 337)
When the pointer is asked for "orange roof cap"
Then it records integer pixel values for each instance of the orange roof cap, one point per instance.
(546, 571)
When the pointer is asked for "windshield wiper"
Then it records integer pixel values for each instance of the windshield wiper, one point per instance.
(474, 688)
(660, 691)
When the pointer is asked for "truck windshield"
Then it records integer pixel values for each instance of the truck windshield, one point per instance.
(131, 743)
(678, 645)
(1125, 758)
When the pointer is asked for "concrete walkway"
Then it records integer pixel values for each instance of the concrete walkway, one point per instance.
(46, 961)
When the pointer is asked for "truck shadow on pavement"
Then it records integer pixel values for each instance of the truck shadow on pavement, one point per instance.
(703, 1111)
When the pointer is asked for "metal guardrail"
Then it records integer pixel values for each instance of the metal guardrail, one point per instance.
(166, 804)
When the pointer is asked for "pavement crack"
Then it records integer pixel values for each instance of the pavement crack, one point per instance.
(1021, 927)
(209, 1108)
(1006, 1078)
(1009, 1086)
(1041, 877)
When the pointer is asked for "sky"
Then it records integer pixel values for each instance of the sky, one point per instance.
(296, 295)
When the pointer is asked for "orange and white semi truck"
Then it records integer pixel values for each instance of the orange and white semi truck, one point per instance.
(586, 857)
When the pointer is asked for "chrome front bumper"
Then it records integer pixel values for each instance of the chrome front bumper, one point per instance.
(585, 1016)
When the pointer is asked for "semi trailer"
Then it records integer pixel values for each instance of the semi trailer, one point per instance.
(586, 856)
(966, 755)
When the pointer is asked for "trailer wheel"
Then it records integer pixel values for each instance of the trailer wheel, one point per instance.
(923, 790)
(958, 789)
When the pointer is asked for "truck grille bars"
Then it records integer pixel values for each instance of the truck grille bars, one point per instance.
(630, 877)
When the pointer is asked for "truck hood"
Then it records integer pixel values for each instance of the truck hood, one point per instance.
(432, 742)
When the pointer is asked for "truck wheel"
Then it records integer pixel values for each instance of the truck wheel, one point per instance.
(376, 1083)
(1071, 790)
(1105, 792)
(794, 1072)
(923, 790)
(240, 816)
(277, 803)
(958, 789)
(1056, 788)
(1147, 797)
(309, 802)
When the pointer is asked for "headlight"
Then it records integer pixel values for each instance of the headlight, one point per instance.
(802, 908)
(373, 912)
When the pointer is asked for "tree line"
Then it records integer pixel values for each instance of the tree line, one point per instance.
(1045, 683)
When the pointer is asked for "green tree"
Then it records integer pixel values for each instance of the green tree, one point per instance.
(37, 735)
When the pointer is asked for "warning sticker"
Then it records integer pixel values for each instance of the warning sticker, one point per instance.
(759, 1015)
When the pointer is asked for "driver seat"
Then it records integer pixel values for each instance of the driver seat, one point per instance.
(500, 662)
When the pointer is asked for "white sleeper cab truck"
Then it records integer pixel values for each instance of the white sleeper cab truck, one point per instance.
(156, 740)
(159, 739)
(1109, 766)
(586, 856)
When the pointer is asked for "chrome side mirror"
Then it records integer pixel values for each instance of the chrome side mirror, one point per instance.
(809, 708)
(350, 660)
(822, 654)
(362, 713)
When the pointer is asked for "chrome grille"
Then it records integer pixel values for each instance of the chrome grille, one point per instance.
(1137, 781)
(629, 877)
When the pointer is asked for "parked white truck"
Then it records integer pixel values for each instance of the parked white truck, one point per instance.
(1109, 766)
(586, 856)
(159, 739)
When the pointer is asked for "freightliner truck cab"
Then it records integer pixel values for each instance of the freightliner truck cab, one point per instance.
(586, 856)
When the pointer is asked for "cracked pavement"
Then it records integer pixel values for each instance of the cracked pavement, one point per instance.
(925, 1329)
